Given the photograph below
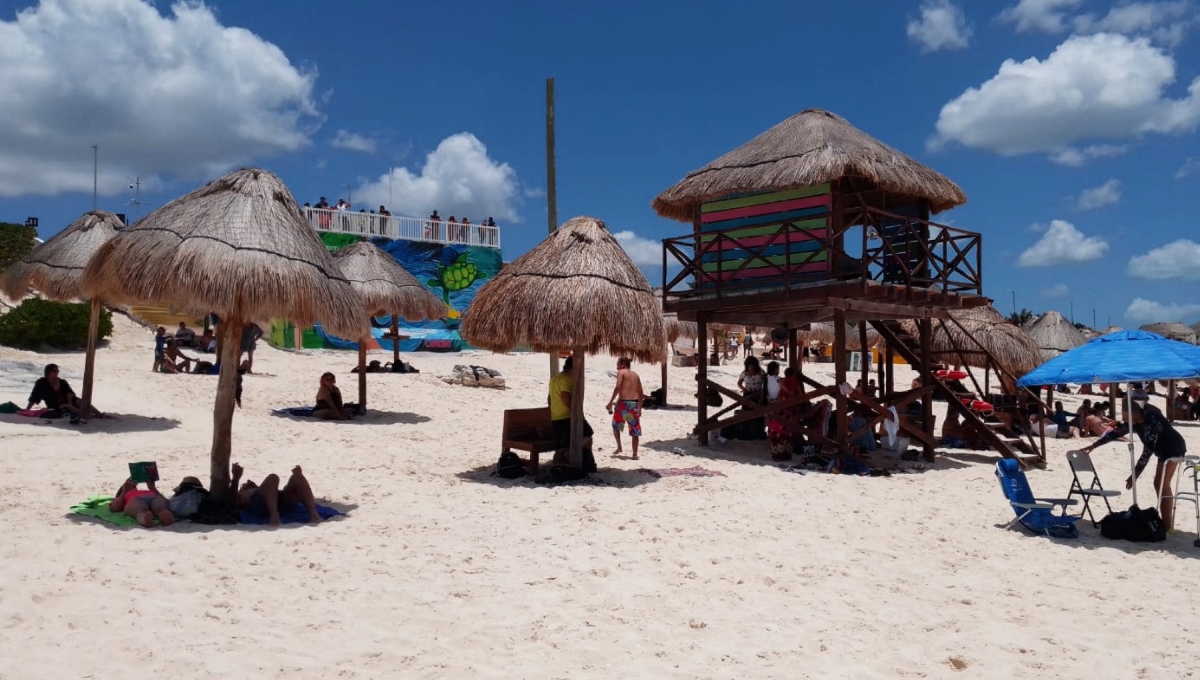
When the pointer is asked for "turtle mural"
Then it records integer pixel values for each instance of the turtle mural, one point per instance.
(453, 272)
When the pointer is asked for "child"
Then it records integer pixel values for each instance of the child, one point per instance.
(160, 346)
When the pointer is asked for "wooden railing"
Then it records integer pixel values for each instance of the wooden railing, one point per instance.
(895, 249)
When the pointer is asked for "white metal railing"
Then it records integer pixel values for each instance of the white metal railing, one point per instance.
(407, 228)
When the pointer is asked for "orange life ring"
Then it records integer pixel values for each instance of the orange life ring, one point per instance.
(951, 375)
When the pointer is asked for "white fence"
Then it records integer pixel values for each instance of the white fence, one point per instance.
(408, 228)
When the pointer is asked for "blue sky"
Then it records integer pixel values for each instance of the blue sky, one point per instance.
(1069, 123)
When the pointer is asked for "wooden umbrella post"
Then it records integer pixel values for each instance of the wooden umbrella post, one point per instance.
(362, 376)
(839, 370)
(395, 340)
(89, 362)
(863, 354)
(576, 452)
(665, 362)
(222, 442)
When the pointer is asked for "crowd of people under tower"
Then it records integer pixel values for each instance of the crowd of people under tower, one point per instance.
(379, 223)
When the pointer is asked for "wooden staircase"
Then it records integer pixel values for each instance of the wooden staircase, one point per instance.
(994, 431)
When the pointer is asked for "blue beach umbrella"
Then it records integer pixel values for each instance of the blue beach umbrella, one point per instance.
(1124, 356)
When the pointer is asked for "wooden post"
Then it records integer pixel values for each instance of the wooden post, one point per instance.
(222, 441)
(89, 361)
(576, 452)
(865, 354)
(702, 378)
(297, 336)
(362, 376)
(1170, 410)
(879, 377)
(395, 340)
(665, 363)
(926, 328)
(793, 351)
(889, 361)
(839, 363)
(551, 186)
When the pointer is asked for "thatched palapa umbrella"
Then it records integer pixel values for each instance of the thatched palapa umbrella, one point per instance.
(385, 288)
(812, 147)
(238, 247)
(576, 290)
(55, 269)
(1172, 331)
(1054, 334)
(964, 337)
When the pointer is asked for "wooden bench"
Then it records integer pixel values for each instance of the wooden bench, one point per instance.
(528, 430)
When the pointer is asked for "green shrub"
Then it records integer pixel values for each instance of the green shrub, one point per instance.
(16, 241)
(37, 323)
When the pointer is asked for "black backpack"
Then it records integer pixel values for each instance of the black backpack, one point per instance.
(510, 466)
(1135, 524)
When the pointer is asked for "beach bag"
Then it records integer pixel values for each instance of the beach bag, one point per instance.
(9, 407)
(1135, 524)
(186, 504)
(714, 398)
(203, 367)
(510, 466)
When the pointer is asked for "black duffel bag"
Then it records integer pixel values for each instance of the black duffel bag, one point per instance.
(1135, 524)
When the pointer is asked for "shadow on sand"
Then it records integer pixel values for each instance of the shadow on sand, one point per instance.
(116, 423)
(370, 418)
(1179, 544)
(610, 477)
(186, 527)
(756, 452)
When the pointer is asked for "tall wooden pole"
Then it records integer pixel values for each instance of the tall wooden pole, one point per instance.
(839, 370)
(926, 327)
(702, 377)
(889, 362)
(793, 351)
(89, 362)
(362, 376)
(222, 442)
(576, 453)
(664, 379)
(864, 364)
(551, 185)
(395, 339)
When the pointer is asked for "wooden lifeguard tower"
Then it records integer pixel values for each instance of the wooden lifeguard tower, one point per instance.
(814, 220)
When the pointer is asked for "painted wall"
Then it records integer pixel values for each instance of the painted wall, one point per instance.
(454, 273)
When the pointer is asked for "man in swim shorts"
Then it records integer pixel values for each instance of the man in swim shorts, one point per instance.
(625, 405)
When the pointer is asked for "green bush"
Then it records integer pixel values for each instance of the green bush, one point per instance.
(37, 323)
(16, 241)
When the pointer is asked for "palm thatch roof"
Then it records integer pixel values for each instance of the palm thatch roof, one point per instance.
(1111, 329)
(1172, 331)
(577, 288)
(822, 331)
(237, 246)
(676, 329)
(55, 268)
(977, 329)
(812, 147)
(1196, 327)
(1054, 334)
(385, 287)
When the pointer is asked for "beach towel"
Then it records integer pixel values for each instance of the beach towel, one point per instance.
(97, 507)
(40, 413)
(296, 515)
(297, 411)
(695, 471)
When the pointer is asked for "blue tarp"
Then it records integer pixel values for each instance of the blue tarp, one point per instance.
(1124, 356)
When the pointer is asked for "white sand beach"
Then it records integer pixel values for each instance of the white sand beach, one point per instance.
(441, 571)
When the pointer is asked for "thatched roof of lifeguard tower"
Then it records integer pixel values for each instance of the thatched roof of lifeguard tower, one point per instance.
(1054, 334)
(1172, 331)
(812, 147)
(55, 268)
(822, 331)
(385, 287)
(960, 343)
(577, 288)
(237, 246)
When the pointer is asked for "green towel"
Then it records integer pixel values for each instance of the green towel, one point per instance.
(97, 506)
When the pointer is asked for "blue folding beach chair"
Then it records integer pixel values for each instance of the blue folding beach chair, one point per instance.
(1035, 514)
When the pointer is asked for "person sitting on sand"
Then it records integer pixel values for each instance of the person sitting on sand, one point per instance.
(144, 505)
(58, 395)
(329, 404)
(184, 336)
(174, 361)
(208, 342)
(266, 499)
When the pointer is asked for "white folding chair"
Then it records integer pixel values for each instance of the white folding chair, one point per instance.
(1188, 466)
(1081, 464)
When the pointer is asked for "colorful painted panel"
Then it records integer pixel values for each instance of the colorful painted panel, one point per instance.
(454, 272)
(741, 238)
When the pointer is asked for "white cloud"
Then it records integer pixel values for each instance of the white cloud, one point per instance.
(1057, 291)
(1165, 22)
(458, 179)
(533, 192)
(1098, 197)
(1046, 16)
(1189, 167)
(1075, 157)
(643, 251)
(1142, 312)
(176, 95)
(352, 141)
(1176, 260)
(942, 26)
(1062, 244)
(1102, 86)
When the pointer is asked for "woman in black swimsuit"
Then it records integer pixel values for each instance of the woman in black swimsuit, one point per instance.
(329, 400)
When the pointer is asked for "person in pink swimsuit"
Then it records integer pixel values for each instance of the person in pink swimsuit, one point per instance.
(144, 505)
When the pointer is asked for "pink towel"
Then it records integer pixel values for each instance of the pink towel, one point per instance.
(33, 412)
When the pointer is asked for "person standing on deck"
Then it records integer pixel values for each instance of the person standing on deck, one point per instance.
(628, 397)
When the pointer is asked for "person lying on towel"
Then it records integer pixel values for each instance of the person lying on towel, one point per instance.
(58, 395)
(144, 505)
(266, 498)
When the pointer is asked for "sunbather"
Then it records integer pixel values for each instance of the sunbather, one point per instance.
(267, 498)
(329, 404)
(174, 361)
(144, 505)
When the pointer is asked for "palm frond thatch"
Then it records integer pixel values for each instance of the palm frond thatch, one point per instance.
(1111, 329)
(812, 147)
(978, 329)
(384, 286)
(577, 288)
(1054, 334)
(55, 268)
(237, 246)
(676, 329)
(822, 331)
(1172, 331)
